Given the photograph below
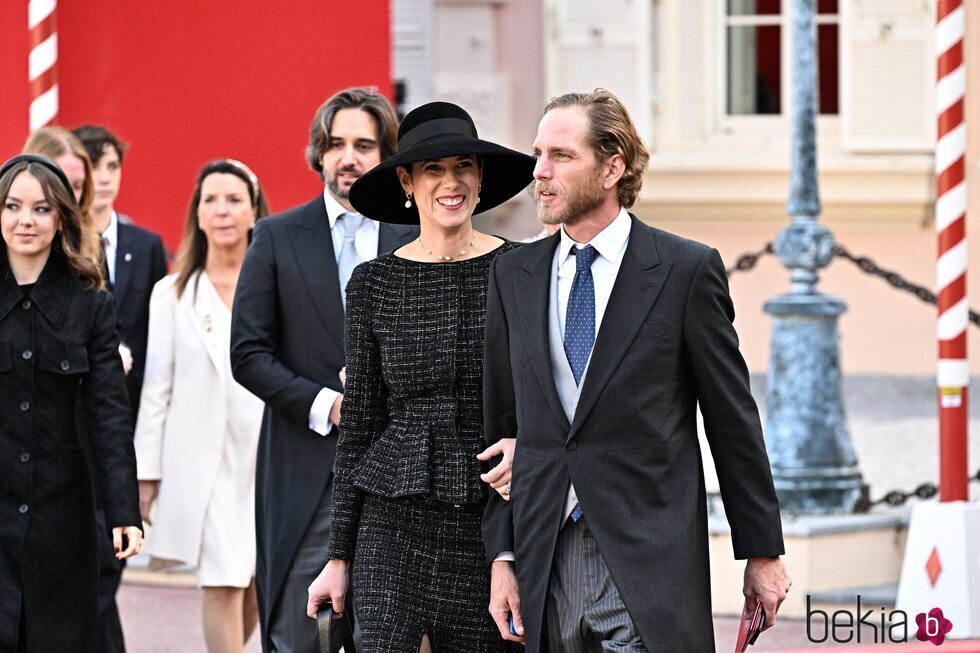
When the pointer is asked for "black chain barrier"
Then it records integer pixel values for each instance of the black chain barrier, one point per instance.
(895, 498)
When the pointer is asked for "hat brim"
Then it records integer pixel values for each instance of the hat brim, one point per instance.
(378, 194)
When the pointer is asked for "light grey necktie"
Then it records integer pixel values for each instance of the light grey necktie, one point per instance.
(348, 259)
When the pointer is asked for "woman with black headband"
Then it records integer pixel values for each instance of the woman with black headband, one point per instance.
(198, 430)
(58, 363)
(408, 497)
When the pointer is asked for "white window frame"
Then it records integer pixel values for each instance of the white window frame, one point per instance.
(745, 128)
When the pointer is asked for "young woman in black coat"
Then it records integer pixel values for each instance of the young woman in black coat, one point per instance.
(59, 362)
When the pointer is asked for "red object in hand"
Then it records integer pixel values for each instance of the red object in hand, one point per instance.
(750, 625)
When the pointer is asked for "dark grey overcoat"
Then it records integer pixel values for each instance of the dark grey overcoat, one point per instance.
(666, 344)
(58, 352)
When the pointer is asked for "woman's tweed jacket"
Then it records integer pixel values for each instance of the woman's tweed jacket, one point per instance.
(411, 420)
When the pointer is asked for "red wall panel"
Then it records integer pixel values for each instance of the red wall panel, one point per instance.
(186, 81)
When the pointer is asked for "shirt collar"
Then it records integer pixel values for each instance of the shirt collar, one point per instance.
(335, 209)
(111, 232)
(609, 242)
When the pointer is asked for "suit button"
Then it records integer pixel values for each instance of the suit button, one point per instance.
(26, 304)
(572, 445)
(25, 406)
(23, 509)
(25, 458)
(64, 366)
(27, 355)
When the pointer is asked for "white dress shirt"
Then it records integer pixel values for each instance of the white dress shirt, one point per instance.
(111, 235)
(366, 244)
(611, 244)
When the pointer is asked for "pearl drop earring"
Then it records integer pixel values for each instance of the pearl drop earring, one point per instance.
(408, 200)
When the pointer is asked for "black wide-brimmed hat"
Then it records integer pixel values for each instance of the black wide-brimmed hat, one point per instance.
(429, 132)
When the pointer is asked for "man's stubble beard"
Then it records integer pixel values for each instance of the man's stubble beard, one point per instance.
(337, 191)
(578, 202)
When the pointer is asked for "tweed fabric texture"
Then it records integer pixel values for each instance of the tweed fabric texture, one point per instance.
(411, 423)
(408, 498)
(59, 365)
(420, 569)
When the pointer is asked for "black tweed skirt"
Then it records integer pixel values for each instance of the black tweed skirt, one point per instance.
(420, 567)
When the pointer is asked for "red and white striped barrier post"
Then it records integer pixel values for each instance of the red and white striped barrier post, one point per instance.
(953, 375)
(43, 62)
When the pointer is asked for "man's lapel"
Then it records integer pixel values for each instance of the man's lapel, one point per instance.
(317, 262)
(392, 236)
(124, 261)
(641, 278)
(532, 291)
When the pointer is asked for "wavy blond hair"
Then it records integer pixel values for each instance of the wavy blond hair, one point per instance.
(54, 143)
(611, 131)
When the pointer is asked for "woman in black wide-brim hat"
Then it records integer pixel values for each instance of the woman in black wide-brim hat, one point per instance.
(408, 497)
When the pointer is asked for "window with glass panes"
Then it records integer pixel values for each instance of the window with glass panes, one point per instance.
(757, 34)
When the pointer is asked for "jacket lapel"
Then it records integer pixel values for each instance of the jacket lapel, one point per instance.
(532, 291)
(317, 262)
(203, 296)
(392, 236)
(124, 261)
(639, 282)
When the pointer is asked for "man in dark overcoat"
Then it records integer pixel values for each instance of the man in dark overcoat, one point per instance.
(602, 341)
(287, 347)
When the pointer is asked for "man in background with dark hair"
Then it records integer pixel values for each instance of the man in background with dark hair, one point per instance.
(134, 262)
(287, 348)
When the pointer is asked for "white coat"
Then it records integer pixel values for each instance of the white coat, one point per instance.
(183, 421)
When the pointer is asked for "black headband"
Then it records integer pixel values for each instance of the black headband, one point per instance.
(438, 127)
(41, 161)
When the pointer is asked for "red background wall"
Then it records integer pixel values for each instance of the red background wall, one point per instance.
(185, 81)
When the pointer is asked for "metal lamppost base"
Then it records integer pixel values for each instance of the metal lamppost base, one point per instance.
(813, 463)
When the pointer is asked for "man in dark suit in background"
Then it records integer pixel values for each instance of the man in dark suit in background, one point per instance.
(602, 341)
(135, 261)
(135, 257)
(287, 347)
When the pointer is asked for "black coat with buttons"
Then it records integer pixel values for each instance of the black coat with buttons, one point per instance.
(58, 351)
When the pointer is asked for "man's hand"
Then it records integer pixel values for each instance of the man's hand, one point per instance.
(766, 580)
(505, 600)
(499, 477)
(329, 587)
(335, 410)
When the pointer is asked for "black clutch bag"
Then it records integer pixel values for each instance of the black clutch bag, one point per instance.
(330, 631)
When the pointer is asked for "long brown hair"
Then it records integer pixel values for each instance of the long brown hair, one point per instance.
(68, 242)
(193, 252)
(54, 143)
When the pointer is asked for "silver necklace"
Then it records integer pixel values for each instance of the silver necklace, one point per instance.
(440, 257)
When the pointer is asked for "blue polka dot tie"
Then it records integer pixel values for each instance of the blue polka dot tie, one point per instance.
(580, 313)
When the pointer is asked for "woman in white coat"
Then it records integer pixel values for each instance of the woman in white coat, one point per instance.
(197, 430)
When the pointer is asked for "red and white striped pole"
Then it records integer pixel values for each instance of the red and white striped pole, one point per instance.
(953, 375)
(43, 62)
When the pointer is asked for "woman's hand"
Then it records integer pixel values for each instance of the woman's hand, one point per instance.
(500, 476)
(148, 492)
(131, 536)
(329, 587)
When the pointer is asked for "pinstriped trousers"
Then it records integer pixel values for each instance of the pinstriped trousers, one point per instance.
(584, 611)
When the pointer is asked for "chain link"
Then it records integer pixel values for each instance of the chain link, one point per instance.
(895, 498)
